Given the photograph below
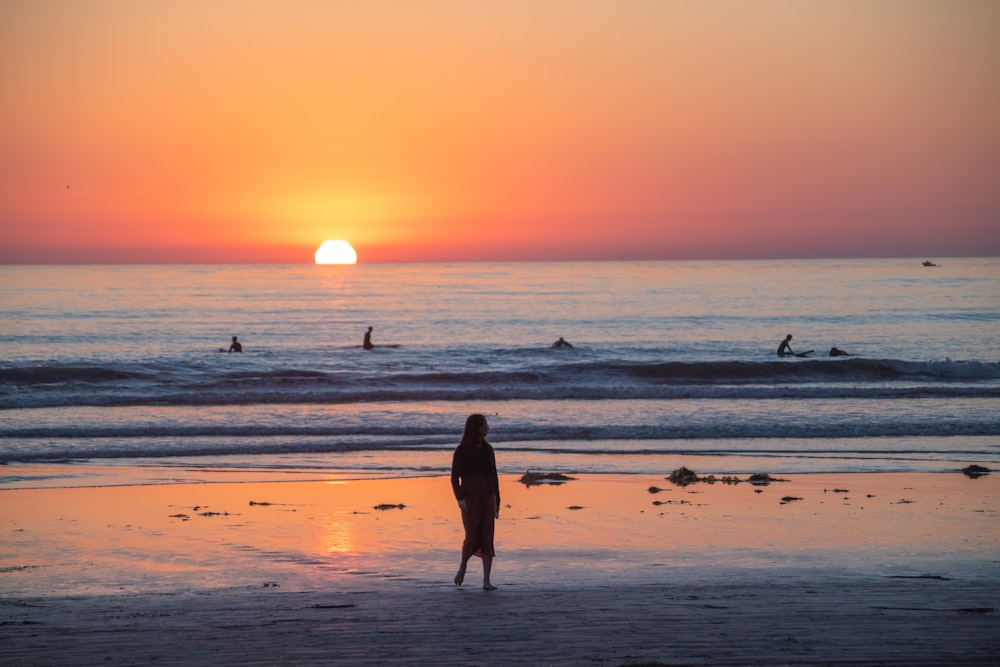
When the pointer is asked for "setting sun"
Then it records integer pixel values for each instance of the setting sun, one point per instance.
(336, 252)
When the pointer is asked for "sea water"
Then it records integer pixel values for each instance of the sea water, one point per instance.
(106, 369)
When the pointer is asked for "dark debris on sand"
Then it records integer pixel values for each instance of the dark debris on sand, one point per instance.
(975, 471)
(389, 506)
(683, 476)
(529, 478)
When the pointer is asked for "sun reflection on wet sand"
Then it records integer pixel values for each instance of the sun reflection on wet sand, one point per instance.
(309, 534)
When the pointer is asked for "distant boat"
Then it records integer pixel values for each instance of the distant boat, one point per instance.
(928, 262)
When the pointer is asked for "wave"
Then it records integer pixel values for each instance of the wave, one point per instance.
(968, 427)
(817, 370)
(28, 376)
(977, 442)
(133, 384)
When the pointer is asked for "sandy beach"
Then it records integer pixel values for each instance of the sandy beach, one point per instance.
(603, 569)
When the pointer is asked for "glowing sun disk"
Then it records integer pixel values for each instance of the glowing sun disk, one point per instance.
(336, 252)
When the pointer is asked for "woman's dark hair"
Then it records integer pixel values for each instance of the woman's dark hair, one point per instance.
(473, 430)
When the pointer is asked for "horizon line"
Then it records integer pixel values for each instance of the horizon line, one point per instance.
(496, 261)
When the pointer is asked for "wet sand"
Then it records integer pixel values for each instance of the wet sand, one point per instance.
(845, 569)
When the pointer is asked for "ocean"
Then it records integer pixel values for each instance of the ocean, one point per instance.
(118, 374)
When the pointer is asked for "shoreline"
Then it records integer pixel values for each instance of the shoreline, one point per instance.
(860, 568)
(262, 469)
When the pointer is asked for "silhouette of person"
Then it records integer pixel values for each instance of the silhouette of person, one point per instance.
(836, 352)
(785, 348)
(476, 486)
(368, 340)
(562, 342)
(235, 346)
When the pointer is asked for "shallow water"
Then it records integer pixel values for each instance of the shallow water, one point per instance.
(594, 529)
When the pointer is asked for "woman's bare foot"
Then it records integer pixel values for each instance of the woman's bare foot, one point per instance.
(460, 576)
(489, 587)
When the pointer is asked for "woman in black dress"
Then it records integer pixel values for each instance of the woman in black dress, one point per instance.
(476, 486)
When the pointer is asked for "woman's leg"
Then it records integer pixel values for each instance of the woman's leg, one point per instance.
(489, 516)
(469, 524)
(460, 576)
(487, 566)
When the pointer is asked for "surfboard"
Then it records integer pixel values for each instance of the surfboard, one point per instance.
(805, 354)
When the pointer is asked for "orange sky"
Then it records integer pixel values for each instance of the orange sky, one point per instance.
(252, 130)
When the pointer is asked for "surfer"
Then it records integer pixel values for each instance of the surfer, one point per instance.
(368, 340)
(562, 342)
(235, 346)
(785, 348)
(837, 352)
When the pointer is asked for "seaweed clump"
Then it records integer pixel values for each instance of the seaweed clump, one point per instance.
(530, 478)
(683, 476)
(763, 479)
(975, 471)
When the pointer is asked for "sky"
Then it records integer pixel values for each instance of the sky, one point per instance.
(448, 130)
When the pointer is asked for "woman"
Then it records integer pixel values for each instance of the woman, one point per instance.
(477, 488)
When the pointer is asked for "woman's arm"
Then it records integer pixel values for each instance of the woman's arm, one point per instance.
(456, 474)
